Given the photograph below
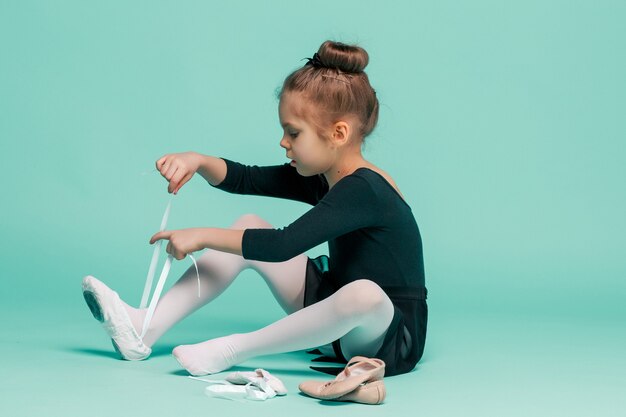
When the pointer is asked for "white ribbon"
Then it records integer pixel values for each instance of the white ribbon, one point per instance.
(155, 257)
(164, 273)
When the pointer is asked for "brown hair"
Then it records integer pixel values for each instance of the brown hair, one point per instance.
(336, 86)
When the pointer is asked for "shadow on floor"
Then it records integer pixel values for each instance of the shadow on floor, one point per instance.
(158, 351)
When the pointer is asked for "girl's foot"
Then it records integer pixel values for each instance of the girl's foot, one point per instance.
(137, 317)
(107, 307)
(210, 357)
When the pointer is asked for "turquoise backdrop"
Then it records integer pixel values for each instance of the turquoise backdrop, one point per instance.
(502, 122)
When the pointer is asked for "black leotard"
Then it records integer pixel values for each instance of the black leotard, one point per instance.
(370, 230)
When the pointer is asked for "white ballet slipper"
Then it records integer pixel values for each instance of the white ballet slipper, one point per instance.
(239, 392)
(258, 386)
(107, 308)
(258, 377)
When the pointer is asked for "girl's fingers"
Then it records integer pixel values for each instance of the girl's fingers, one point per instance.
(161, 161)
(165, 234)
(169, 248)
(171, 171)
(182, 182)
(176, 180)
(172, 251)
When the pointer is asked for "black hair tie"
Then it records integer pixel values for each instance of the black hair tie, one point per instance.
(315, 61)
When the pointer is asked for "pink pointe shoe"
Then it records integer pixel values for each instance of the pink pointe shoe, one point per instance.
(107, 308)
(369, 393)
(347, 386)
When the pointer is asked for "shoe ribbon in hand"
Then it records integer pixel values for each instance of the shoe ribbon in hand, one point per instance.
(162, 278)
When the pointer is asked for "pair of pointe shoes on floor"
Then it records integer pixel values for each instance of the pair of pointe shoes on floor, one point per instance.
(361, 381)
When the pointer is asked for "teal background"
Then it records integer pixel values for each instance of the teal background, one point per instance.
(501, 122)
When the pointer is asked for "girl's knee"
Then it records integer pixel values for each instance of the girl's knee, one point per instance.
(251, 220)
(359, 297)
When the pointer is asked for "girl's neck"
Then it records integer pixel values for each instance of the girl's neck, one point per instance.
(344, 168)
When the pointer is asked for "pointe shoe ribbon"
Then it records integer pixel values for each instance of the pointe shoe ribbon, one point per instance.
(359, 370)
(162, 278)
(107, 308)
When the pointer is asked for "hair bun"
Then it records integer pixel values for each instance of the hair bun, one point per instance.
(347, 58)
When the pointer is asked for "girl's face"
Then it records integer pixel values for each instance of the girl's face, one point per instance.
(312, 154)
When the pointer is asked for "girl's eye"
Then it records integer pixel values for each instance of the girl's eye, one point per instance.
(293, 135)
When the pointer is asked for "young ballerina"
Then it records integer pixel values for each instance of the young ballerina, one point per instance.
(367, 298)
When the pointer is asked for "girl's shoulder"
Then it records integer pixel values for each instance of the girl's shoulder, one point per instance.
(386, 177)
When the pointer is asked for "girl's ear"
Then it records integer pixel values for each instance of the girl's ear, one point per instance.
(341, 132)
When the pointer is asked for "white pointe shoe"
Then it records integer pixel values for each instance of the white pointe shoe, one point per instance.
(258, 377)
(107, 308)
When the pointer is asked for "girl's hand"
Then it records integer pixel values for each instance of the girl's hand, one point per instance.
(178, 168)
(182, 242)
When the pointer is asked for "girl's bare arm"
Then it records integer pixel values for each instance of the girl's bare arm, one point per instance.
(212, 169)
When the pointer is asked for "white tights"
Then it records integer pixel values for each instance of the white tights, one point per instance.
(358, 313)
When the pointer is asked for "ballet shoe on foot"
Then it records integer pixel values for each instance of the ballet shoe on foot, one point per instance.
(359, 370)
(107, 308)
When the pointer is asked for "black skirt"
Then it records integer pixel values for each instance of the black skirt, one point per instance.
(409, 319)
